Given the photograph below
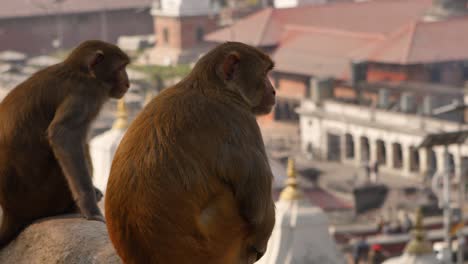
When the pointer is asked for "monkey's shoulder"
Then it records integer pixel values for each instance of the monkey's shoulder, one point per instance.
(185, 113)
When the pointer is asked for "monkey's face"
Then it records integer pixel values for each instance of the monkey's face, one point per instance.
(108, 66)
(246, 70)
(268, 99)
(119, 83)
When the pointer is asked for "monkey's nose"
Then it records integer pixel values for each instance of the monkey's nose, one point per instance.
(274, 92)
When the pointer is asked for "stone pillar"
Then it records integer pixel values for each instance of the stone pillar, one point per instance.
(458, 163)
(423, 160)
(406, 159)
(439, 151)
(389, 150)
(343, 147)
(357, 150)
(372, 150)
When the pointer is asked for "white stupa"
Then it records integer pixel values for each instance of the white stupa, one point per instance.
(418, 250)
(103, 147)
(300, 235)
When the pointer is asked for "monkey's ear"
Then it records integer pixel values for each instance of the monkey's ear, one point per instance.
(230, 65)
(96, 58)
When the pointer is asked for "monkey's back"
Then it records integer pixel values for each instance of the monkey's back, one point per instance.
(30, 177)
(175, 208)
(26, 113)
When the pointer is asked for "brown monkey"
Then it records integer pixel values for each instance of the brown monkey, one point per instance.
(45, 167)
(190, 181)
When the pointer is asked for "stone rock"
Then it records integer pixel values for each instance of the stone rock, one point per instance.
(61, 240)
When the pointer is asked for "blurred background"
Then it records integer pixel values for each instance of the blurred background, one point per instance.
(370, 122)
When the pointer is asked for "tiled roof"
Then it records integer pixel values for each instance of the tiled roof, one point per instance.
(257, 30)
(420, 42)
(318, 52)
(381, 17)
(26, 8)
(323, 40)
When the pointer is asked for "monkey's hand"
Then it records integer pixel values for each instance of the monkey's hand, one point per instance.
(99, 218)
(89, 209)
(99, 194)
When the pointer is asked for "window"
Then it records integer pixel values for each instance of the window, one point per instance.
(200, 34)
(414, 159)
(397, 156)
(349, 143)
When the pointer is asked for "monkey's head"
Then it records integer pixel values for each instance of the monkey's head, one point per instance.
(243, 71)
(103, 62)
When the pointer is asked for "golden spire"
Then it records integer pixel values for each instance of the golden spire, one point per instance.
(291, 192)
(418, 244)
(121, 121)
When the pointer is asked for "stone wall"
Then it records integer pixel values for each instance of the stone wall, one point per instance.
(61, 240)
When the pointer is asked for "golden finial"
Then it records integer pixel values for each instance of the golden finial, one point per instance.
(291, 192)
(418, 244)
(122, 116)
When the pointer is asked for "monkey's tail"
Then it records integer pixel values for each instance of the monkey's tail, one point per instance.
(9, 229)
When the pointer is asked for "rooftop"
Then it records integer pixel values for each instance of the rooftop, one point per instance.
(322, 40)
(29, 8)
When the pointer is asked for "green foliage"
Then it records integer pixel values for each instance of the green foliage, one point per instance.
(61, 54)
(253, 2)
(164, 72)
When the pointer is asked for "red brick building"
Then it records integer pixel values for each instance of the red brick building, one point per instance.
(34, 26)
(355, 49)
(181, 26)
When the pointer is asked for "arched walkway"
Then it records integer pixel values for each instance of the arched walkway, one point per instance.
(397, 156)
(349, 146)
(381, 152)
(365, 149)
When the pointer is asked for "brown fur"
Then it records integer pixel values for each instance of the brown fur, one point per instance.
(190, 181)
(45, 168)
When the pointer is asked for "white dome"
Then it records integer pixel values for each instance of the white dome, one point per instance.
(300, 234)
(102, 149)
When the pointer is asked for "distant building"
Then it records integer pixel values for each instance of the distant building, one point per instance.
(418, 250)
(296, 3)
(356, 134)
(359, 48)
(38, 27)
(180, 27)
(300, 234)
(367, 77)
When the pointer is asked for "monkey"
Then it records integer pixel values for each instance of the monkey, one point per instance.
(45, 166)
(190, 181)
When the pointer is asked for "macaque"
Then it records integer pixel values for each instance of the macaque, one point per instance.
(45, 166)
(190, 181)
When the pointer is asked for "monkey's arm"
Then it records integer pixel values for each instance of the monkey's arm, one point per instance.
(67, 136)
(89, 163)
(247, 171)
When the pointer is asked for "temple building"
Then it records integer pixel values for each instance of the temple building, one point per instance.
(300, 235)
(103, 147)
(180, 27)
(365, 81)
(418, 250)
